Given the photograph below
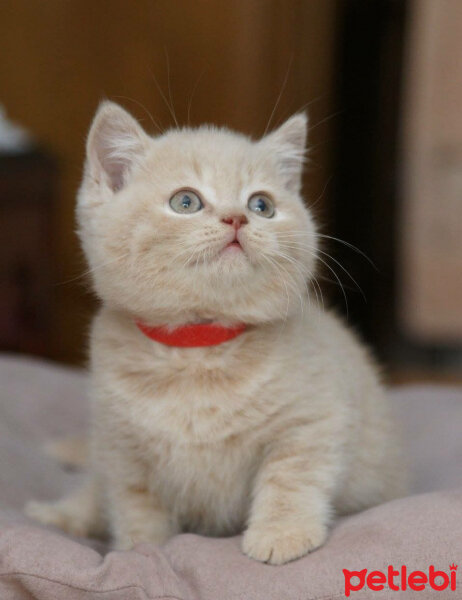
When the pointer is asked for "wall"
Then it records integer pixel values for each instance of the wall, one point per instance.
(227, 62)
(430, 299)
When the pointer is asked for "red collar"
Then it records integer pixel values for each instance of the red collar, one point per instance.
(192, 336)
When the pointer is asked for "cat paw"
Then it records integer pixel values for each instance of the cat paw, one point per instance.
(57, 516)
(281, 544)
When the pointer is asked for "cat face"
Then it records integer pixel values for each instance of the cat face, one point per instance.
(197, 223)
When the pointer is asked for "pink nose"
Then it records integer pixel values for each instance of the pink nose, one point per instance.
(236, 221)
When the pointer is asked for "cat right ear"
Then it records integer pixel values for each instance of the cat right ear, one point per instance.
(288, 145)
(116, 142)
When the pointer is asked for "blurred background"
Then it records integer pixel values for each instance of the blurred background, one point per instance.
(382, 82)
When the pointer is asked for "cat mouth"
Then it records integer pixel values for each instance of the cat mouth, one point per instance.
(234, 246)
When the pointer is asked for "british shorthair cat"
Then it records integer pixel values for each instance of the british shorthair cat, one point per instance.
(225, 399)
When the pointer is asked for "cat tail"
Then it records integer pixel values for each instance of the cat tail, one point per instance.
(72, 451)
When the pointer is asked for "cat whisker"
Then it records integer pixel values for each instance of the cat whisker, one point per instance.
(159, 89)
(301, 245)
(339, 282)
(349, 288)
(278, 99)
(169, 87)
(321, 195)
(316, 250)
(351, 246)
(326, 119)
(196, 85)
(140, 104)
(303, 108)
(294, 261)
(315, 283)
(93, 270)
(304, 276)
(345, 271)
(309, 103)
(277, 267)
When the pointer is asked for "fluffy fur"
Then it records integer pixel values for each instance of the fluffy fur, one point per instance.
(271, 433)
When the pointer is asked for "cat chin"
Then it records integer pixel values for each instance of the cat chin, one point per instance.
(219, 310)
(227, 314)
(233, 258)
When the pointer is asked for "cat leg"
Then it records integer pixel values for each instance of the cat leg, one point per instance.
(134, 511)
(136, 516)
(78, 514)
(291, 506)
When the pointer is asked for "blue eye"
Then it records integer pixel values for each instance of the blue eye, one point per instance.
(185, 202)
(261, 205)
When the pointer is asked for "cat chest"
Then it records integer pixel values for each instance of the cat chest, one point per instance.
(206, 488)
(191, 410)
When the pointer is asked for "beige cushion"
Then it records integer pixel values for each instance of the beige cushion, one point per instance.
(39, 401)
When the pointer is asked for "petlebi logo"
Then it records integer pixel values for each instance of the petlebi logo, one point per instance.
(400, 580)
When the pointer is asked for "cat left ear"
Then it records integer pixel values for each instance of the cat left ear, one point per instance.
(115, 143)
(288, 143)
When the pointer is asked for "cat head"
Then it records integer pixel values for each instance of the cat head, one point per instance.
(196, 223)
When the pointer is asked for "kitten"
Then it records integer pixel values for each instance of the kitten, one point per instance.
(271, 432)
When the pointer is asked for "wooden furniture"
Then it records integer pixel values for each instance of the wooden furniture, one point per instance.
(26, 291)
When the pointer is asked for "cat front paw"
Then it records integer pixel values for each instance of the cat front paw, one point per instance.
(282, 543)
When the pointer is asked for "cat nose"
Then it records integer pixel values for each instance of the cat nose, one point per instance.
(236, 221)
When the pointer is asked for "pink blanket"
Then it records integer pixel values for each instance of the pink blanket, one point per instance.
(39, 401)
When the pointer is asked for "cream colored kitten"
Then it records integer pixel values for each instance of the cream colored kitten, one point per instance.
(270, 433)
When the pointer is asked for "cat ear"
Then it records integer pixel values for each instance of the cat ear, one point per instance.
(116, 142)
(288, 143)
